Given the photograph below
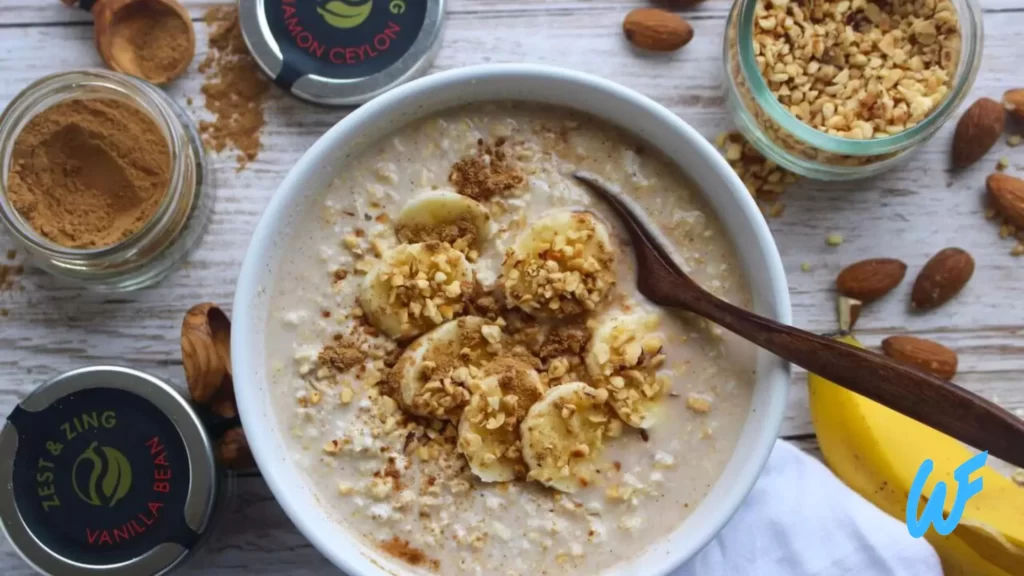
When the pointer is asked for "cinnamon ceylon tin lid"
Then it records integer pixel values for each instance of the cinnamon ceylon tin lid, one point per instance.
(342, 52)
(110, 472)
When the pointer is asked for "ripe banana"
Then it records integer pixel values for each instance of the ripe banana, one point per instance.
(877, 452)
(623, 356)
(563, 435)
(415, 287)
(443, 216)
(560, 266)
(431, 375)
(489, 433)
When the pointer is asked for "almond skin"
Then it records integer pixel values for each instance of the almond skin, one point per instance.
(925, 354)
(1013, 101)
(869, 280)
(657, 30)
(1007, 195)
(977, 131)
(942, 278)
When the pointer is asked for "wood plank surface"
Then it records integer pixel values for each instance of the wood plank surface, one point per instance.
(909, 214)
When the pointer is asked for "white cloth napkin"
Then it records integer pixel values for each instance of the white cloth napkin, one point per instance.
(801, 520)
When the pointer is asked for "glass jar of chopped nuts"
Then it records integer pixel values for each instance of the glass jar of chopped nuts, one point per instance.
(845, 89)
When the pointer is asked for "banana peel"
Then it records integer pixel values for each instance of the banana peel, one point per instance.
(877, 452)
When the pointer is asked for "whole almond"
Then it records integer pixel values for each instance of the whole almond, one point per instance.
(657, 30)
(925, 354)
(942, 278)
(977, 131)
(1007, 194)
(869, 280)
(1013, 101)
(206, 350)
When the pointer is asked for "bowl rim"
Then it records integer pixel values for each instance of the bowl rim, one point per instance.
(251, 397)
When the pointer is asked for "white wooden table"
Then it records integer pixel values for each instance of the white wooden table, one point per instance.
(910, 214)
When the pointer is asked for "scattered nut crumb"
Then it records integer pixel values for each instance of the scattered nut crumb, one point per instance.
(764, 179)
(834, 240)
(1003, 163)
(698, 403)
(346, 395)
(805, 266)
(1014, 140)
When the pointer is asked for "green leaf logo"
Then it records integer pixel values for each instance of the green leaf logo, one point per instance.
(102, 461)
(346, 13)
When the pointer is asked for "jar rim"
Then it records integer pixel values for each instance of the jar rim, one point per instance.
(139, 93)
(971, 36)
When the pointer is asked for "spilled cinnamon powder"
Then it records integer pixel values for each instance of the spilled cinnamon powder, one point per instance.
(234, 88)
(87, 173)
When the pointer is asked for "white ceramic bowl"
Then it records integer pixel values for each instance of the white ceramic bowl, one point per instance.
(616, 104)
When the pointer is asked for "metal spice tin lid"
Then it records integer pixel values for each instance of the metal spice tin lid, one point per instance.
(341, 52)
(112, 474)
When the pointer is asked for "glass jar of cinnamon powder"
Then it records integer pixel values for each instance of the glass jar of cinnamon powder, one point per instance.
(102, 179)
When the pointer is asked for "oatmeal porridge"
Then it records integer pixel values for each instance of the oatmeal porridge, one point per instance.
(462, 363)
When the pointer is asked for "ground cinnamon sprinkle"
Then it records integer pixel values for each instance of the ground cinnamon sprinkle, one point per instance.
(88, 173)
(403, 551)
(341, 356)
(486, 174)
(9, 276)
(234, 87)
(450, 233)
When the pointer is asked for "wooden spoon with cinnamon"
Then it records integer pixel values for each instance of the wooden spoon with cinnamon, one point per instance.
(151, 39)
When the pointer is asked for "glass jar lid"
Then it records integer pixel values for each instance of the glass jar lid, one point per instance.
(112, 474)
(342, 52)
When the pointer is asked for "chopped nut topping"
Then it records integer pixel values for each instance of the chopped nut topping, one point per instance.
(568, 274)
(627, 361)
(427, 283)
(858, 69)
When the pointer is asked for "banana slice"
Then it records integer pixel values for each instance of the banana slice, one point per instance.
(415, 287)
(431, 377)
(563, 435)
(444, 216)
(560, 266)
(489, 433)
(623, 356)
(518, 380)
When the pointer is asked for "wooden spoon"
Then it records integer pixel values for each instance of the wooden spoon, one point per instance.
(932, 401)
(116, 24)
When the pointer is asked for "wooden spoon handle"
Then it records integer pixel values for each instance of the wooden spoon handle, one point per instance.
(914, 393)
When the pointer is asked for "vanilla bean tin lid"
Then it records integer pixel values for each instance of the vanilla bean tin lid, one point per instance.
(342, 52)
(113, 474)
